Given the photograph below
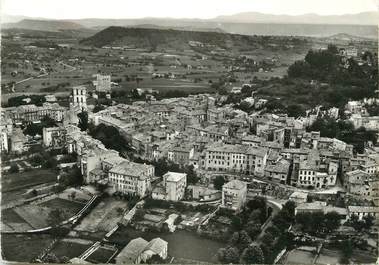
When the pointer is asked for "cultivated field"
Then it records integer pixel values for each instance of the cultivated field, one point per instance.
(23, 248)
(103, 217)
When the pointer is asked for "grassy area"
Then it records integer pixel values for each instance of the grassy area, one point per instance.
(69, 249)
(58, 203)
(23, 248)
(101, 255)
(10, 216)
(27, 179)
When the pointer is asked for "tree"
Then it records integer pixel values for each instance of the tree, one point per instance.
(253, 254)
(268, 239)
(83, 120)
(14, 168)
(228, 255)
(253, 229)
(244, 240)
(97, 108)
(347, 251)
(255, 216)
(368, 221)
(356, 223)
(218, 182)
(331, 221)
(192, 178)
(236, 223)
(50, 162)
(139, 214)
(55, 216)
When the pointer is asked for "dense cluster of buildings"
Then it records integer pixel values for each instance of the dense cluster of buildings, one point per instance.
(197, 131)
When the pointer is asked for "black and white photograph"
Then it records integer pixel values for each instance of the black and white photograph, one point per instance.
(189, 132)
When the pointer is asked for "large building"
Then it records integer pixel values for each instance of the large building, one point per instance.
(235, 158)
(175, 185)
(358, 182)
(103, 83)
(54, 137)
(234, 195)
(33, 113)
(18, 140)
(131, 178)
(79, 96)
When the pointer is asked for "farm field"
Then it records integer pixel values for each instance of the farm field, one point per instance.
(25, 179)
(70, 248)
(23, 248)
(39, 214)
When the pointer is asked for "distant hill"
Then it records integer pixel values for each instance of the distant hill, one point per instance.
(42, 34)
(184, 28)
(347, 37)
(365, 18)
(44, 25)
(179, 39)
(148, 37)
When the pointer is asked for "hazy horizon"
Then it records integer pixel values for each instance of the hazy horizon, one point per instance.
(171, 9)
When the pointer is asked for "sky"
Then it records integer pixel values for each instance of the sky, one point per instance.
(70, 9)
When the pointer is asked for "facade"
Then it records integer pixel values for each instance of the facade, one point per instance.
(79, 96)
(358, 182)
(362, 211)
(235, 158)
(103, 83)
(18, 140)
(54, 137)
(234, 195)
(175, 185)
(131, 178)
(278, 172)
(33, 113)
(4, 141)
(181, 154)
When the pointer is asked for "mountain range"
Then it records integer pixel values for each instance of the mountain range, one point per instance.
(364, 18)
(248, 23)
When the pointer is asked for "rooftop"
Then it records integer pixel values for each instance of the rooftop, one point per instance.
(174, 176)
(235, 184)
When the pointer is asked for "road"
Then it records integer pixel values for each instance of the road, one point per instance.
(276, 207)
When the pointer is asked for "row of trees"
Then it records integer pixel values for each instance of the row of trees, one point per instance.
(247, 226)
(316, 223)
(241, 250)
(276, 236)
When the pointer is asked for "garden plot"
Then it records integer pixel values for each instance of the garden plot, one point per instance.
(11, 221)
(70, 248)
(23, 248)
(102, 255)
(328, 256)
(298, 256)
(52, 211)
(104, 216)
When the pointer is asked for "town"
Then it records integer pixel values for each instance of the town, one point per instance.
(279, 168)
